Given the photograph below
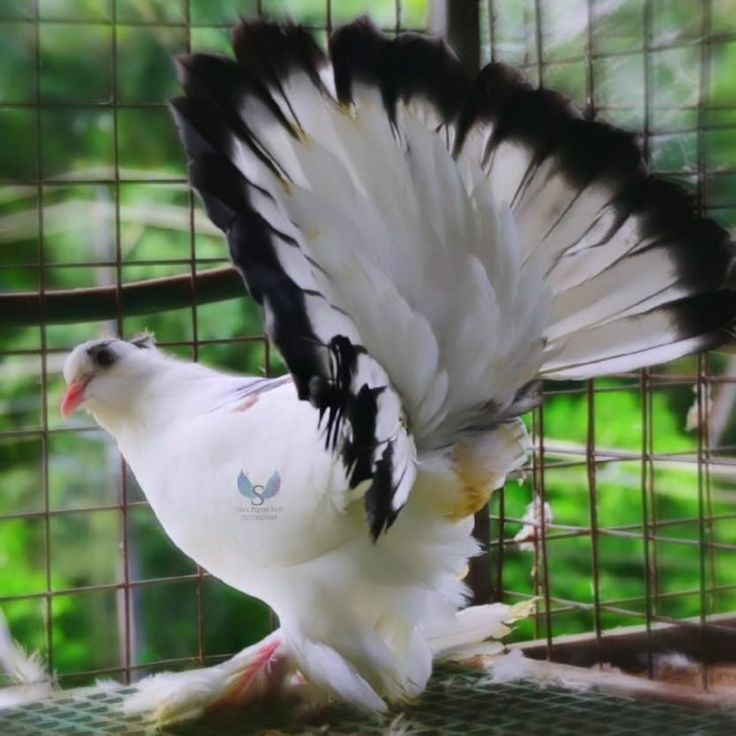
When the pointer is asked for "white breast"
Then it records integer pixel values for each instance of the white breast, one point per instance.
(190, 471)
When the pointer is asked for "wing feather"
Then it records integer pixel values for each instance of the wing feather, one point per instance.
(427, 248)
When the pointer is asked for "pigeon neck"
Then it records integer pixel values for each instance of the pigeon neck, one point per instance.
(175, 392)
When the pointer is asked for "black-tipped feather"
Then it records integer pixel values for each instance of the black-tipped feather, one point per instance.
(402, 68)
(547, 125)
(272, 52)
(381, 514)
(209, 124)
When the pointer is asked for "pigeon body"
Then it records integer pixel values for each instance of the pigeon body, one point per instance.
(191, 434)
(426, 250)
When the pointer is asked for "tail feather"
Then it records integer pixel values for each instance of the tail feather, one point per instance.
(626, 249)
(474, 626)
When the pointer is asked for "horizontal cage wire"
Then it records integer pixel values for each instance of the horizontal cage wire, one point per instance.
(632, 478)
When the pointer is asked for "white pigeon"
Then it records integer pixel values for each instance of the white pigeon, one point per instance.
(426, 250)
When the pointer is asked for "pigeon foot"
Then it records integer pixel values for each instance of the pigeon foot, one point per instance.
(173, 697)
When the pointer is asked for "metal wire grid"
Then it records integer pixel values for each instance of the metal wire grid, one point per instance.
(714, 545)
(524, 44)
(195, 23)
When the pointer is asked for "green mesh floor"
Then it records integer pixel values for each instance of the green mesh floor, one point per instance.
(454, 704)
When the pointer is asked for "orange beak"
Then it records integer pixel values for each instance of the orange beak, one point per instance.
(73, 398)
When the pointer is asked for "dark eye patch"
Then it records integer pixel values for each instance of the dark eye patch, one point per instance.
(102, 355)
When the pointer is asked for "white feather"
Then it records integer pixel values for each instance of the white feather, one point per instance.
(28, 679)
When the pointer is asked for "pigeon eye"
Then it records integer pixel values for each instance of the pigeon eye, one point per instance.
(104, 357)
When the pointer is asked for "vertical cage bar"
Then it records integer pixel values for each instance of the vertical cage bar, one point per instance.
(199, 588)
(541, 542)
(649, 498)
(458, 22)
(48, 609)
(128, 622)
(501, 545)
(647, 122)
(501, 492)
(702, 531)
(704, 528)
(590, 107)
(537, 460)
(540, 572)
(593, 506)
(539, 41)
(590, 445)
(492, 29)
(647, 472)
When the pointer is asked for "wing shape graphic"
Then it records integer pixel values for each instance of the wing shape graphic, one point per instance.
(273, 485)
(245, 486)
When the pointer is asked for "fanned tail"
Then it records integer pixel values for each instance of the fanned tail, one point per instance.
(428, 248)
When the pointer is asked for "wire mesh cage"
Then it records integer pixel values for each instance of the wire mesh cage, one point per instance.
(652, 507)
(632, 479)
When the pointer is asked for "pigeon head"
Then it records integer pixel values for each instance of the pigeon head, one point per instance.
(102, 375)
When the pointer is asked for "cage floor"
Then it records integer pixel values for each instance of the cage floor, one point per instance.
(455, 703)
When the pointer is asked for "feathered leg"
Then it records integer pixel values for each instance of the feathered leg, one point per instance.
(258, 671)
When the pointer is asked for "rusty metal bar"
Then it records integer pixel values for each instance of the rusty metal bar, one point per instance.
(101, 303)
(623, 647)
(48, 610)
(704, 496)
(593, 514)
